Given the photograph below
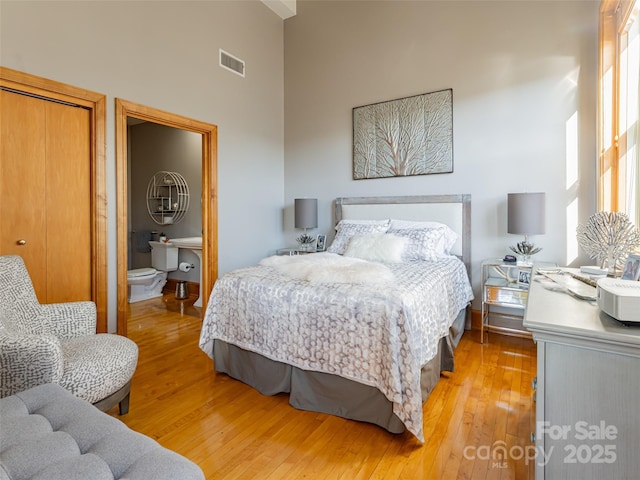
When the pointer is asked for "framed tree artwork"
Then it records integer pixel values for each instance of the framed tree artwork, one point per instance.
(409, 136)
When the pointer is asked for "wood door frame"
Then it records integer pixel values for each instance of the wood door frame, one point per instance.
(209, 134)
(96, 103)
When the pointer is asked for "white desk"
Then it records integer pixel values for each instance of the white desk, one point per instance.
(588, 384)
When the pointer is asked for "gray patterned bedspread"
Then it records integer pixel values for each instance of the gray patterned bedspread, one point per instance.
(378, 335)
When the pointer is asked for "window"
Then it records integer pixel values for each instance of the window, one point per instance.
(619, 108)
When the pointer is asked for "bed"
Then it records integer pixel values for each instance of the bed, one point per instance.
(362, 331)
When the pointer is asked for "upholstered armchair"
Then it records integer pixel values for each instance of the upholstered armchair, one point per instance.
(57, 343)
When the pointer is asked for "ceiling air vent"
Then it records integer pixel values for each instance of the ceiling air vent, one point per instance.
(231, 63)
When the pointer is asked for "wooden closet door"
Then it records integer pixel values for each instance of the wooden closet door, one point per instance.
(45, 194)
(68, 203)
(22, 184)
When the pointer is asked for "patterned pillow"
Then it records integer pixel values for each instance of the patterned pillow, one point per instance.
(424, 243)
(449, 237)
(348, 228)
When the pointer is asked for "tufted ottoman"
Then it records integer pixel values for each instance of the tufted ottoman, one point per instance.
(47, 433)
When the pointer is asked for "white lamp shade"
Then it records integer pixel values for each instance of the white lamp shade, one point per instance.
(526, 213)
(306, 212)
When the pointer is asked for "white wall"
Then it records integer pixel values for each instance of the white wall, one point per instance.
(523, 74)
(524, 80)
(165, 55)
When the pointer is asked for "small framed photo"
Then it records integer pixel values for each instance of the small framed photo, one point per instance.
(631, 268)
(524, 277)
(321, 243)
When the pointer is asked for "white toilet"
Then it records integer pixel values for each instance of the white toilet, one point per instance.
(146, 283)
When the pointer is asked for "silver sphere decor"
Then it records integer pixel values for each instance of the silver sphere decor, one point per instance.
(608, 237)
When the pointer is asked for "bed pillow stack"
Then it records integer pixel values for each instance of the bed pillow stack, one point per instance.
(350, 228)
(393, 241)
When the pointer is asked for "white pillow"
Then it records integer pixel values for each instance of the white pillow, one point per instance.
(384, 248)
(348, 228)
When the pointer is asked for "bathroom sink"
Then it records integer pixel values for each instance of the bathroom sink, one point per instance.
(187, 242)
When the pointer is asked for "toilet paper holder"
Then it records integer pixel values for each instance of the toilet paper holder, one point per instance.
(185, 267)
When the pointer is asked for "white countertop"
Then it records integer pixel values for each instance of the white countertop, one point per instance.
(557, 315)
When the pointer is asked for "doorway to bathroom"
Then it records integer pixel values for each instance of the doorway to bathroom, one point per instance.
(147, 125)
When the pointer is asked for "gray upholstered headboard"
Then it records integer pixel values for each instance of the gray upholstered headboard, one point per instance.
(452, 210)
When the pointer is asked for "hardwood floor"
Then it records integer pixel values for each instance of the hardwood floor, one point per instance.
(234, 432)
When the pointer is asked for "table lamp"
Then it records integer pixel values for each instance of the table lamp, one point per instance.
(306, 216)
(525, 216)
